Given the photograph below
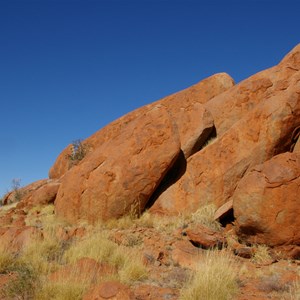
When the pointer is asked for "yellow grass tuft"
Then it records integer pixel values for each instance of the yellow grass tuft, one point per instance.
(6, 260)
(205, 216)
(61, 290)
(261, 254)
(215, 279)
(99, 247)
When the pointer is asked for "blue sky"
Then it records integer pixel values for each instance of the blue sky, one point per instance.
(67, 68)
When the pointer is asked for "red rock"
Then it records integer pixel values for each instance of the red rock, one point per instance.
(6, 220)
(39, 192)
(112, 290)
(232, 105)
(296, 140)
(213, 173)
(297, 146)
(16, 238)
(86, 270)
(224, 210)
(151, 292)
(45, 194)
(244, 251)
(204, 237)
(186, 255)
(182, 106)
(266, 202)
(120, 176)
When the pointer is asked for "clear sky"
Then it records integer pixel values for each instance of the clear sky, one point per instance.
(67, 68)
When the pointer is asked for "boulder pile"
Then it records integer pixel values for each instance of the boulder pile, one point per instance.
(215, 142)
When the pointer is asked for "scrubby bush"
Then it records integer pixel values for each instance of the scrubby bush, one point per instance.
(79, 151)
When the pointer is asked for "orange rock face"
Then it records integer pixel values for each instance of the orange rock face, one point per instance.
(180, 106)
(128, 159)
(121, 175)
(266, 202)
(213, 173)
(229, 107)
(45, 194)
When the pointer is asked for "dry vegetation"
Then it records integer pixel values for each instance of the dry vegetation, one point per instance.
(219, 275)
(214, 279)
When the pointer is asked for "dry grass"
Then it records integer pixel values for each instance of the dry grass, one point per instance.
(294, 292)
(215, 279)
(63, 291)
(6, 260)
(44, 255)
(261, 254)
(23, 282)
(205, 216)
(99, 247)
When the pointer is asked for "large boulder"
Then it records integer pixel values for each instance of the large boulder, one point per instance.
(183, 106)
(121, 175)
(266, 202)
(127, 160)
(21, 193)
(213, 173)
(43, 194)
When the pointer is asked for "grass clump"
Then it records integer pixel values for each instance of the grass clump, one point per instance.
(215, 279)
(294, 291)
(261, 254)
(205, 216)
(99, 247)
(6, 260)
(43, 255)
(23, 281)
(61, 290)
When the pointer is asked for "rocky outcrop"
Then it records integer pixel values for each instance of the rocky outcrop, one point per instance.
(266, 203)
(120, 176)
(213, 173)
(214, 142)
(180, 106)
(129, 158)
(44, 194)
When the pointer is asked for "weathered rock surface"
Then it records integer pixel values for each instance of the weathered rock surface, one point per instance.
(185, 109)
(22, 192)
(121, 175)
(39, 192)
(212, 174)
(232, 105)
(266, 202)
(297, 146)
(109, 290)
(204, 237)
(224, 210)
(45, 194)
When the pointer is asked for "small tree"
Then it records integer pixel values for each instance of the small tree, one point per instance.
(79, 151)
(16, 188)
